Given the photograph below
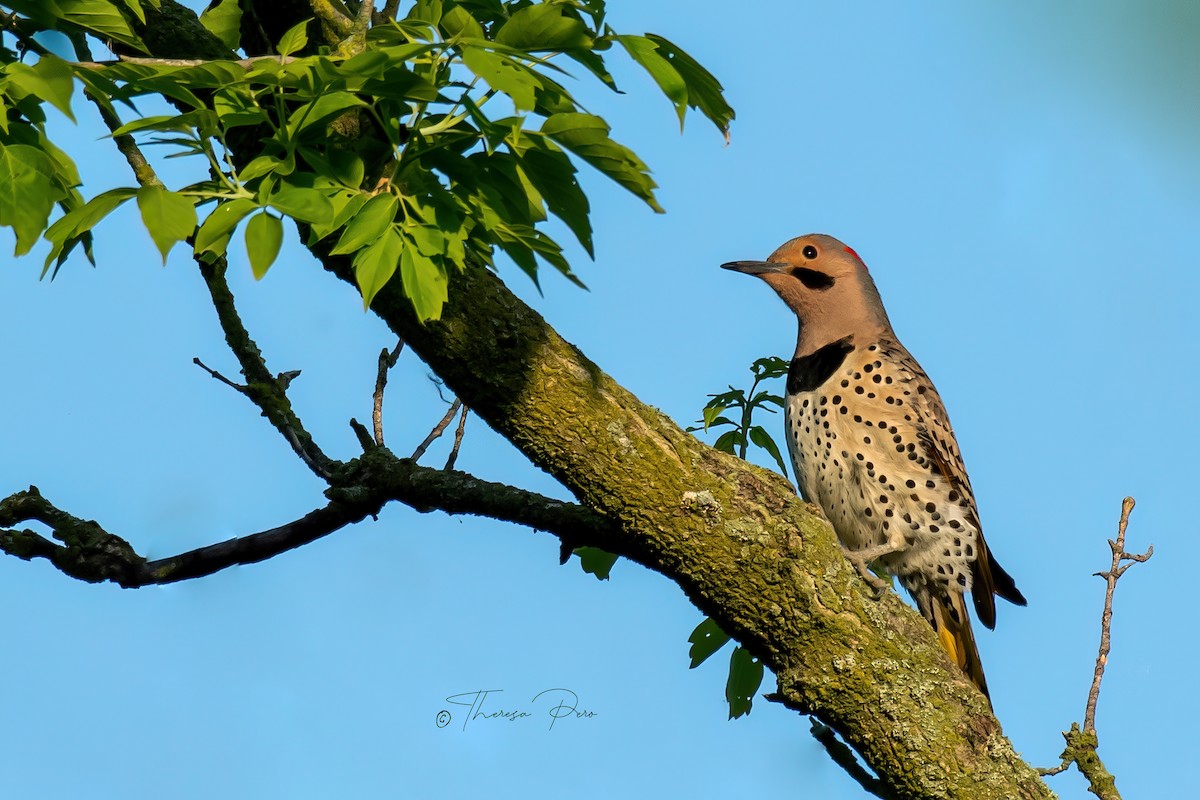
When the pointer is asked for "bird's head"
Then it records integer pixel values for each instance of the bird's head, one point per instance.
(828, 287)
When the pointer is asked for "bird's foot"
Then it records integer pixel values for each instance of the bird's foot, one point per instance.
(863, 567)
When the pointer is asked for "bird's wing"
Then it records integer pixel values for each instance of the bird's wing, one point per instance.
(936, 438)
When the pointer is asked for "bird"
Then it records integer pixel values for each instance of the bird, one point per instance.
(872, 446)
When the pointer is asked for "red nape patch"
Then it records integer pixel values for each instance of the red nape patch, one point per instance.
(850, 250)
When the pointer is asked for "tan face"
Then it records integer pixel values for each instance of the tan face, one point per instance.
(826, 284)
(813, 271)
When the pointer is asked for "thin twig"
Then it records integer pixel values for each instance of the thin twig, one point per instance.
(437, 431)
(264, 389)
(386, 362)
(26, 42)
(1083, 744)
(844, 757)
(235, 386)
(246, 63)
(365, 441)
(458, 437)
(1111, 577)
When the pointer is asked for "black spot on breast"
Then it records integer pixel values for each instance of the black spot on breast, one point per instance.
(809, 372)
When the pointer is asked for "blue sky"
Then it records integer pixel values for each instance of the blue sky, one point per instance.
(1021, 182)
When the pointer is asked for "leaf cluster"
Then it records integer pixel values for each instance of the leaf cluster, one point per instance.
(743, 431)
(440, 137)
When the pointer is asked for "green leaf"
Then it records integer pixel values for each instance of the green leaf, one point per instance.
(295, 40)
(729, 441)
(769, 367)
(170, 217)
(706, 639)
(136, 7)
(425, 282)
(213, 236)
(28, 192)
(504, 75)
(426, 11)
(541, 27)
(69, 229)
(763, 439)
(159, 122)
(745, 676)
(762, 398)
(224, 20)
(596, 561)
(262, 165)
(51, 79)
(521, 242)
(372, 220)
(719, 422)
(587, 137)
(552, 173)
(712, 413)
(346, 205)
(236, 106)
(346, 167)
(704, 91)
(429, 241)
(324, 108)
(506, 190)
(645, 52)
(98, 17)
(375, 264)
(458, 22)
(301, 203)
(264, 235)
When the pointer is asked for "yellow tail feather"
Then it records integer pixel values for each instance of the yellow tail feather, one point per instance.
(953, 626)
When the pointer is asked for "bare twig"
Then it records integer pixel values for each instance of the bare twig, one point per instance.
(844, 757)
(246, 63)
(386, 362)
(363, 435)
(20, 28)
(437, 431)
(1083, 743)
(390, 8)
(237, 387)
(264, 389)
(458, 437)
(1111, 577)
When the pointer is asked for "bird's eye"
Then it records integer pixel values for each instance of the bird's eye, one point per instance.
(812, 279)
(810, 251)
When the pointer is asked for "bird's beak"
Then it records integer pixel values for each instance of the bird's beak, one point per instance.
(753, 267)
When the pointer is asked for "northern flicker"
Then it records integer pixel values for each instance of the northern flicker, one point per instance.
(872, 445)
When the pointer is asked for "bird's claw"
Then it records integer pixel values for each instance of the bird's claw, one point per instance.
(862, 567)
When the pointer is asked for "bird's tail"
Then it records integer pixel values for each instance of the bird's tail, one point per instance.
(953, 626)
